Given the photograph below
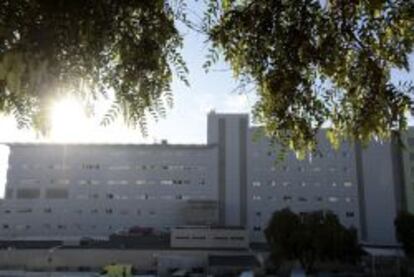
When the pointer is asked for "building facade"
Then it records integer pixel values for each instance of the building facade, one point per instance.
(209, 237)
(93, 190)
(235, 180)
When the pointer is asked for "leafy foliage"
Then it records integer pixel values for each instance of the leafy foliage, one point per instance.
(310, 237)
(404, 225)
(88, 48)
(314, 64)
(311, 63)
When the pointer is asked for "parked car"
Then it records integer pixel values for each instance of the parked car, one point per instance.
(86, 241)
(140, 231)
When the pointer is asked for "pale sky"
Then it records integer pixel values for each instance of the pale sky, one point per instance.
(184, 123)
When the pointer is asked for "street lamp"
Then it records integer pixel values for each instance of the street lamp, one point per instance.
(8, 254)
(49, 259)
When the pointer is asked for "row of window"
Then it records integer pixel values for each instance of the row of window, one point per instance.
(48, 226)
(59, 193)
(288, 198)
(273, 183)
(49, 210)
(286, 168)
(204, 238)
(139, 197)
(347, 214)
(320, 155)
(34, 193)
(97, 166)
(167, 182)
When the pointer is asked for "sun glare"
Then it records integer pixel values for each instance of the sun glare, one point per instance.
(69, 122)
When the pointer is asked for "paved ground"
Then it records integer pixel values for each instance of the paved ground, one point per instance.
(5, 273)
(119, 242)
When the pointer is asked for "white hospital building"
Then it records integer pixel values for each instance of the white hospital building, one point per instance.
(57, 191)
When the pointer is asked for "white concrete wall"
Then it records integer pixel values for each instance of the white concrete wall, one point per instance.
(379, 194)
(209, 238)
(232, 202)
(116, 199)
(327, 182)
(408, 156)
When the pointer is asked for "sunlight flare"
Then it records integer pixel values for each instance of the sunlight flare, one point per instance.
(69, 121)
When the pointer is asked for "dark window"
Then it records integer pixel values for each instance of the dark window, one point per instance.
(350, 214)
(9, 193)
(47, 226)
(57, 193)
(90, 166)
(28, 193)
(24, 211)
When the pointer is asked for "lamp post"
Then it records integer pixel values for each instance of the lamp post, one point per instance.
(8, 254)
(49, 259)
